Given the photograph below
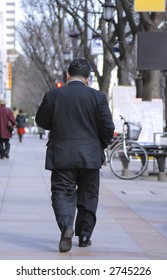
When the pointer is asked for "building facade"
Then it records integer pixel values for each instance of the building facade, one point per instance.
(7, 47)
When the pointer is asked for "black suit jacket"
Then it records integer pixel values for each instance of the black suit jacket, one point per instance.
(80, 124)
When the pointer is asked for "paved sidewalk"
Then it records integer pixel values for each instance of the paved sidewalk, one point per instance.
(131, 218)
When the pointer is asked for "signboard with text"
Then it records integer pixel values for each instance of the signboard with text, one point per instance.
(151, 50)
(9, 76)
(149, 5)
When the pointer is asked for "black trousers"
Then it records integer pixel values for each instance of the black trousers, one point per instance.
(4, 147)
(75, 189)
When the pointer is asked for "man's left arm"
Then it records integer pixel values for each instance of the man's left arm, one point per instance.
(43, 116)
(106, 123)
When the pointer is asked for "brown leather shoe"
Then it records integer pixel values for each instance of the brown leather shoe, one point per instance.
(84, 241)
(66, 240)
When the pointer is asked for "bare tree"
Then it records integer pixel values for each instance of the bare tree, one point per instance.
(119, 33)
(44, 36)
(43, 40)
(28, 85)
(41, 37)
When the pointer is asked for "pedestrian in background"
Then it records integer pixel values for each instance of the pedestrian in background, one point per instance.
(41, 132)
(20, 124)
(81, 127)
(15, 112)
(6, 115)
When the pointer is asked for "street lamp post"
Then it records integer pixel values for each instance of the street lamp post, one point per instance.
(74, 35)
(67, 58)
(108, 10)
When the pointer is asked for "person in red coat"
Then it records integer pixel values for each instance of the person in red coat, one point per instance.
(20, 124)
(5, 135)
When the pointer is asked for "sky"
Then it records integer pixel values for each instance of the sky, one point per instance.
(19, 14)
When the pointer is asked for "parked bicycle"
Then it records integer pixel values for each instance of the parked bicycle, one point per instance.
(127, 158)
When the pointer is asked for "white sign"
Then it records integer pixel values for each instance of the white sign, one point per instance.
(97, 46)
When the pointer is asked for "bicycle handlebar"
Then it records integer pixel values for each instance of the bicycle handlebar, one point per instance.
(127, 123)
(122, 118)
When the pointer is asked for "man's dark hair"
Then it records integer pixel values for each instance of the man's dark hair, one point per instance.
(79, 67)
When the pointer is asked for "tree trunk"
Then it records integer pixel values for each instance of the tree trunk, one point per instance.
(104, 82)
(105, 79)
(123, 74)
(151, 85)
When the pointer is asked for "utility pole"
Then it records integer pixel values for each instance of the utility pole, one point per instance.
(165, 75)
(86, 28)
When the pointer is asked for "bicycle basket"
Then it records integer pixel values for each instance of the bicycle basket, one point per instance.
(133, 131)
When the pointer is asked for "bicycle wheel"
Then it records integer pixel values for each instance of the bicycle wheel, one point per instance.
(131, 166)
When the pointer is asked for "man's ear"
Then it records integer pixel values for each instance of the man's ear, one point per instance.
(68, 76)
(87, 81)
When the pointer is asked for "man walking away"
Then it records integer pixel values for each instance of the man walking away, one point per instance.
(81, 127)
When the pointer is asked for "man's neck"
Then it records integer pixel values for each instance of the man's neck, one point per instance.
(77, 78)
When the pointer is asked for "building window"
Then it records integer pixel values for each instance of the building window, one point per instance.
(10, 4)
(10, 42)
(10, 27)
(10, 12)
(10, 35)
(10, 19)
